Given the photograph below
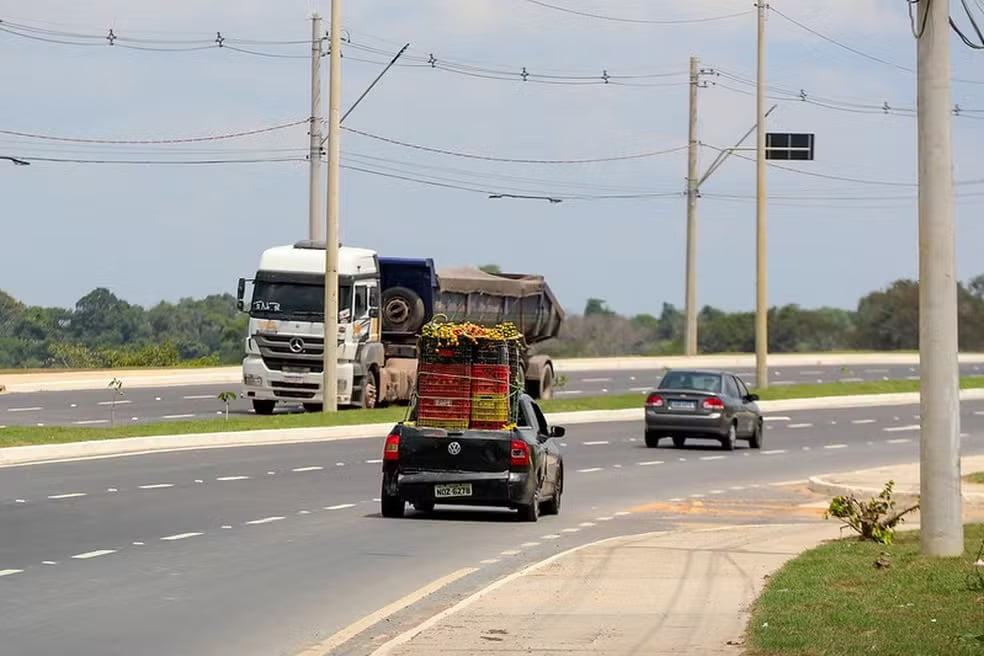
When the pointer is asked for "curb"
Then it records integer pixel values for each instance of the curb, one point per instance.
(821, 485)
(32, 454)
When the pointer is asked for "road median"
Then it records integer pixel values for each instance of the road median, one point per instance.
(24, 445)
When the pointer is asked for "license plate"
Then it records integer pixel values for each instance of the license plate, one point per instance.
(295, 370)
(683, 405)
(453, 490)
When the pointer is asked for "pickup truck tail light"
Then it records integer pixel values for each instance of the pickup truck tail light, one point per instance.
(713, 403)
(655, 401)
(519, 454)
(391, 451)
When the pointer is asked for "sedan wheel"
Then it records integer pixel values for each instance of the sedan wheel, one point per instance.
(552, 507)
(728, 443)
(756, 440)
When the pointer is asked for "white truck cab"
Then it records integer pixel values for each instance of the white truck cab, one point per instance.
(285, 339)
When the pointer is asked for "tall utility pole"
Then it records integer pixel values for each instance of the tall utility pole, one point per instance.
(330, 384)
(761, 269)
(314, 186)
(691, 292)
(939, 444)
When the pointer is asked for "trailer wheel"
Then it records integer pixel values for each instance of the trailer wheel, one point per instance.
(403, 310)
(541, 389)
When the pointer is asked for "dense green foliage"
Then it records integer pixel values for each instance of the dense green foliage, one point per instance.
(105, 331)
(885, 320)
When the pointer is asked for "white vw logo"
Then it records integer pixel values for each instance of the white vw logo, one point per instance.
(454, 448)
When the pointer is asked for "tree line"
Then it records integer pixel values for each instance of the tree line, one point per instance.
(104, 331)
(885, 320)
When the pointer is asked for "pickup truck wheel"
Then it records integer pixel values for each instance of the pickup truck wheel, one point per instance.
(652, 440)
(679, 442)
(264, 407)
(423, 506)
(392, 506)
(531, 511)
(552, 507)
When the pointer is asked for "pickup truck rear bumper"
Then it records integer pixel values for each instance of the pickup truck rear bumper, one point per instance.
(503, 489)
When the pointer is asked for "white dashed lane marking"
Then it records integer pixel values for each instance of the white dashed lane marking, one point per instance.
(181, 536)
(34, 409)
(265, 520)
(713, 457)
(156, 486)
(862, 421)
(306, 469)
(773, 452)
(588, 470)
(70, 495)
(835, 446)
(90, 422)
(232, 478)
(899, 429)
(650, 463)
(800, 425)
(93, 554)
(596, 443)
(340, 506)
(8, 572)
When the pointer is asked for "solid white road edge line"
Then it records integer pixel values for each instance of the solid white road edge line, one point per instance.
(468, 601)
(354, 629)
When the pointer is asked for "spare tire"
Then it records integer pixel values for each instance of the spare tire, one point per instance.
(403, 310)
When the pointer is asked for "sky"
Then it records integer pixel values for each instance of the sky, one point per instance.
(838, 227)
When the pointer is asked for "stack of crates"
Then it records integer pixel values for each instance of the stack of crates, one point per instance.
(491, 374)
(444, 388)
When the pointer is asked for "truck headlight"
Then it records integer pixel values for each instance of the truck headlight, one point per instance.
(252, 380)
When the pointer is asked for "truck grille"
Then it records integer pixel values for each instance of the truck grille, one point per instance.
(295, 390)
(302, 352)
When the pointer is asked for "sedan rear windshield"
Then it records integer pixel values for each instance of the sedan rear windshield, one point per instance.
(688, 380)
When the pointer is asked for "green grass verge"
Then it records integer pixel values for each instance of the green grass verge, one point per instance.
(833, 601)
(976, 477)
(18, 435)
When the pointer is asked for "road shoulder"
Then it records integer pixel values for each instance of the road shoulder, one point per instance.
(657, 593)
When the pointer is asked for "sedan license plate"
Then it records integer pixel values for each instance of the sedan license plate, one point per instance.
(683, 405)
(453, 490)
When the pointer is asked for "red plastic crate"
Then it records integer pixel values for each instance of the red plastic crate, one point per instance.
(489, 379)
(443, 408)
(444, 381)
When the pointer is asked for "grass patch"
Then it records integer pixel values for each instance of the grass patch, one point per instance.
(976, 477)
(23, 435)
(833, 601)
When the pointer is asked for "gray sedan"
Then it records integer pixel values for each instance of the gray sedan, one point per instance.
(703, 404)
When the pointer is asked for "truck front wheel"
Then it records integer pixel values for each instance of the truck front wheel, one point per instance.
(541, 388)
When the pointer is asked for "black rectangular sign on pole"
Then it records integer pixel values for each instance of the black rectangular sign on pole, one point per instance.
(789, 146)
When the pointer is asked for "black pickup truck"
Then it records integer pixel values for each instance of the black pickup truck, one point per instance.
(521, 469)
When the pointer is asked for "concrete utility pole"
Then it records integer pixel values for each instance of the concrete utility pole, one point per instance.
(330, 384)
(314, 201)
(939, 444)
(691, 291)
(761, 269)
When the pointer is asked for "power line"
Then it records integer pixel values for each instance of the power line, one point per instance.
(825, 176)
(176, 140)
(491, 158)
(646, 21)
(147, 162)
(856, 51)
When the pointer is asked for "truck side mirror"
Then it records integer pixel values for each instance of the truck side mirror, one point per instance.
(240, 291)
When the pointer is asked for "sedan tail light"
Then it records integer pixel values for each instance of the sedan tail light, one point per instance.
(519, 454)
(655, 401)
(391, 451)
(713, 403)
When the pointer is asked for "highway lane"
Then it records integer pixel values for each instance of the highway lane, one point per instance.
(141, 405)
(266, 549)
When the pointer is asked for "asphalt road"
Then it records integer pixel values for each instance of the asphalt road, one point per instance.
(266, 550)
(141, 405)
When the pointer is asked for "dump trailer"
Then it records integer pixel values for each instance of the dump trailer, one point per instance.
(414, 292)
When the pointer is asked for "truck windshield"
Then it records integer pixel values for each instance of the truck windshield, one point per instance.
(291, 301)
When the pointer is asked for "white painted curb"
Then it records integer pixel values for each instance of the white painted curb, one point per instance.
(22, 455)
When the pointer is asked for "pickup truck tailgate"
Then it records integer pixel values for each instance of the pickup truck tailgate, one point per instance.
(470, 451)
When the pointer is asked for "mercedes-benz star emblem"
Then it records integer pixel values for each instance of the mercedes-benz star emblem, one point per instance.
(296, 345)
(454, 448)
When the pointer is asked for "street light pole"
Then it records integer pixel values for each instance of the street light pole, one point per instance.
(761, 270)
(314, 186)
(330, 380)
(690, 301)
(939, 444)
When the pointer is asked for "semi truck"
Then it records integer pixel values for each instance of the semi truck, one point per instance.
(382, 304)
